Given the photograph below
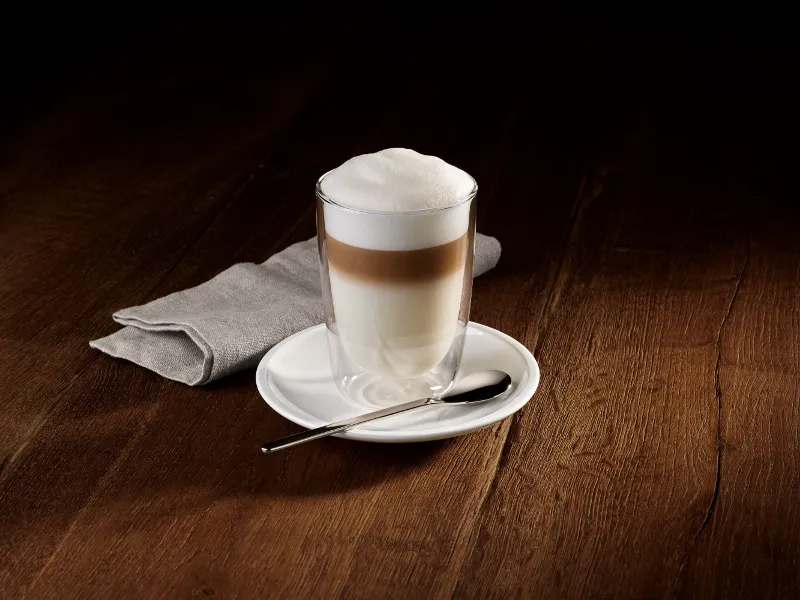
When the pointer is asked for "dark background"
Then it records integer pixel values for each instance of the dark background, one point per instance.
(39, 43)
(609, 56)
(598, 67)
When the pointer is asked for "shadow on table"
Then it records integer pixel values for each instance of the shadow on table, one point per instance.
(167, 449)
(334, 466)
(327, 466)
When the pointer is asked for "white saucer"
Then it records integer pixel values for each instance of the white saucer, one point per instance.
(295, 379)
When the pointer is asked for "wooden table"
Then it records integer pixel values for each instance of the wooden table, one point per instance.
(643, 186)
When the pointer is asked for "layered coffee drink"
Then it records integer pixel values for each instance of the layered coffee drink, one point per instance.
(397, 257)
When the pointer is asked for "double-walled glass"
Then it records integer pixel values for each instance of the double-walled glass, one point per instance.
(396, 288)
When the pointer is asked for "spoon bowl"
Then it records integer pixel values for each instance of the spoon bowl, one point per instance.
(477, 387)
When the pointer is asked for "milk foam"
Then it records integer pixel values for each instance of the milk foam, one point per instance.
(396, 180)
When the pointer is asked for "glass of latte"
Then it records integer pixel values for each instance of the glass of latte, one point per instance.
(396, 239)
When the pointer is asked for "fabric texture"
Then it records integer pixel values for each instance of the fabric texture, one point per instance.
(228, 323)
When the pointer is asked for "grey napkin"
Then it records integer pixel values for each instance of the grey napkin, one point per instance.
(228, 323)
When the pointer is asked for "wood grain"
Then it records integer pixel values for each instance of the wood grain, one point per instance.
(627, 420)
(748, 545)
(648, 223)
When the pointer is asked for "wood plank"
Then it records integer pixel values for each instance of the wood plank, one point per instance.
(605, 479)
(145, 203)
(103, 209)
(748, 546)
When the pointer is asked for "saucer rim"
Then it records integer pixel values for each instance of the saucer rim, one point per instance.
(519, 398)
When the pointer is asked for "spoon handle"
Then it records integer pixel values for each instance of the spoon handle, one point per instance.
(339, 426)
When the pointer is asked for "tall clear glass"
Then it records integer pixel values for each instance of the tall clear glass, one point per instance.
(397, 288)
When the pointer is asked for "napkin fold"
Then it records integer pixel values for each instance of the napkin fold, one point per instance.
(228, 323)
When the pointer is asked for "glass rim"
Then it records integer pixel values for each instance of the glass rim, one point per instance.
(461, 201)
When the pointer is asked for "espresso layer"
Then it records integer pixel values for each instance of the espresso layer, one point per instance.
(397, 266)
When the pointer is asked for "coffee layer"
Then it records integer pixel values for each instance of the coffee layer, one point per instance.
(397, 266)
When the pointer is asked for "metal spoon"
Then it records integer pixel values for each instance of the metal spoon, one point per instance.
(473, 389)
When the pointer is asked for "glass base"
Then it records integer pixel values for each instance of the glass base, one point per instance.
(375, 391)
(378, 391)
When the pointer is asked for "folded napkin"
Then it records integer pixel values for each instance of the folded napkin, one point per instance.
(228, 323)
